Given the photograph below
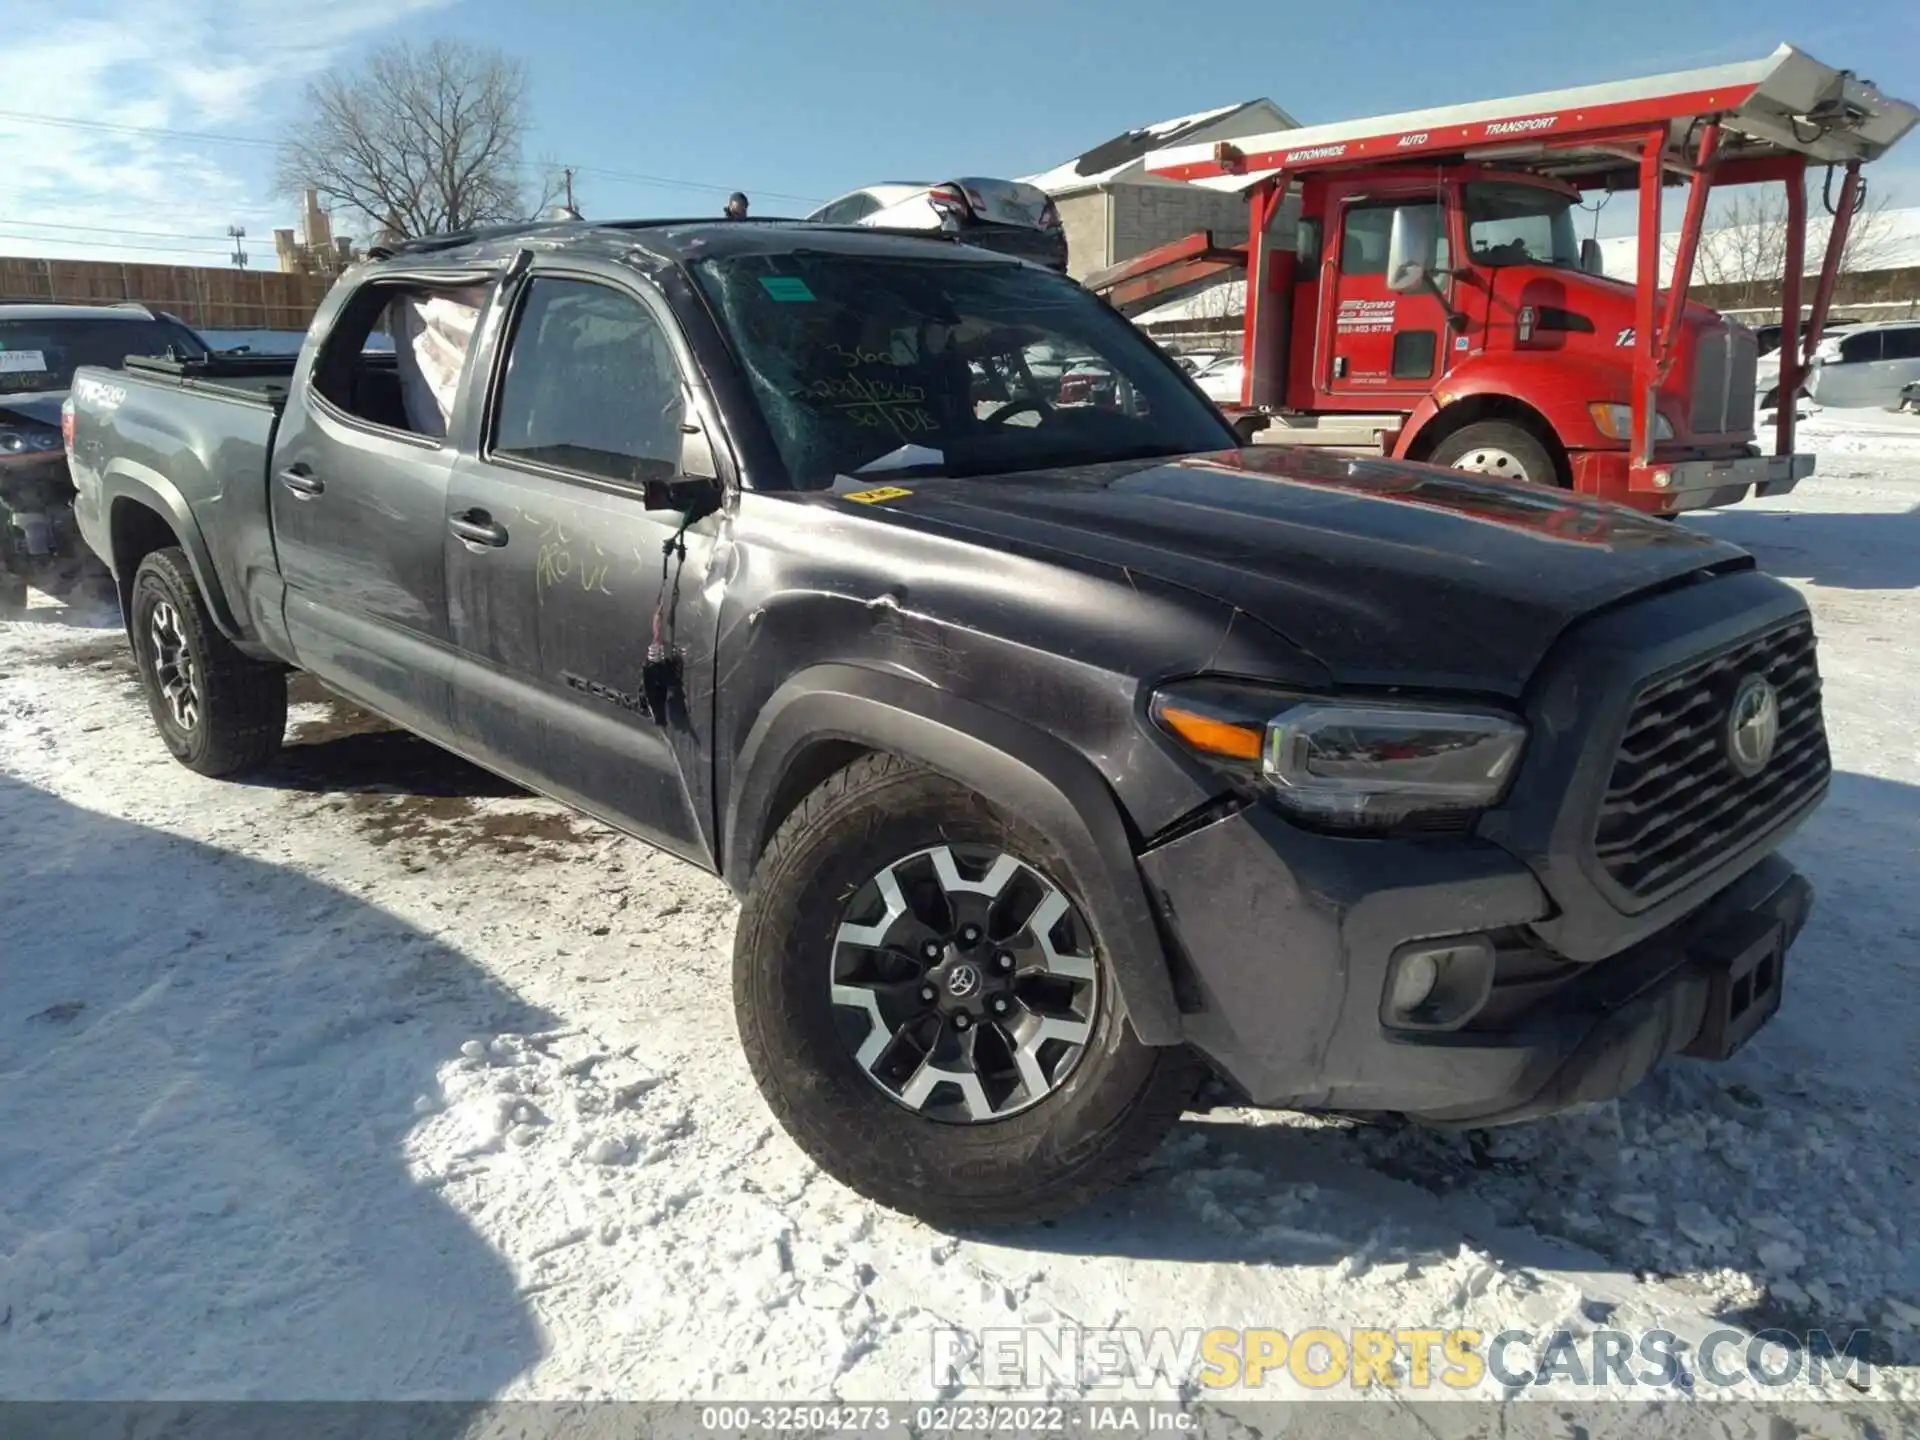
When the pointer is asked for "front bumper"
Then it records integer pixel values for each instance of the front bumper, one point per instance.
(1286, 980)
(1285, 940)
(1667, 487)
(1700, 484)
(36, 507)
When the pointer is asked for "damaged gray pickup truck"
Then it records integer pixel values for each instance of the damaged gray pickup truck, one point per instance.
(1059, 752)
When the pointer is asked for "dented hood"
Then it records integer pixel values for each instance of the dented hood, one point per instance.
(1386, 572)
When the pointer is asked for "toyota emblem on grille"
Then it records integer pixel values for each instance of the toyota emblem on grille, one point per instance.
(1753, 725)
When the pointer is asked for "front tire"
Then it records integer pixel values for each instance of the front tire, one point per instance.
(218, 711)
(1498, 448)
(1016, 1091)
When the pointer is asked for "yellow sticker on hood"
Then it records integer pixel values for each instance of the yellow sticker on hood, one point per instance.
(875, 497)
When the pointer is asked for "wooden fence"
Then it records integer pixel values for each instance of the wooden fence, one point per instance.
(206, 299)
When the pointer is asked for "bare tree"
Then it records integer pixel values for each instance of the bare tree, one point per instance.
(1746, 248)
(422, 141)
(1221, 306)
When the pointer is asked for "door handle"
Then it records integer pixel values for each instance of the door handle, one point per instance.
(302, 482)
(476, 527)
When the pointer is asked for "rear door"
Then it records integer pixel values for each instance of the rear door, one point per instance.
(559, 579)
(1374, 342)
(358, 494)
(1900, 357)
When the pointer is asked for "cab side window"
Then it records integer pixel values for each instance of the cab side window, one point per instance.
(1368, 229)
(591, 385)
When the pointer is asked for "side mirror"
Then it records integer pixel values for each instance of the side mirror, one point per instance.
(684, 493)
(695, 486)
(1410, 249)
(1590, 261)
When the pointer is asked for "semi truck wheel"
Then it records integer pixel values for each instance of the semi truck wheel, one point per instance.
(1500, 448)
(218, 711)
(925, 1005)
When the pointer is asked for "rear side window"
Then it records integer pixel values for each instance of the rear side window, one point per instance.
(591, 385)
(1902, 344)
(1856, 349)
(410, 389)
(849, 211)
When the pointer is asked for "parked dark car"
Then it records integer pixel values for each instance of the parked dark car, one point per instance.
(1058, 754)
(40, 347)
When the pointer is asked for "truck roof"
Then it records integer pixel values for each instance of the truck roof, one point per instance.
(672, 241)
(1787, 103)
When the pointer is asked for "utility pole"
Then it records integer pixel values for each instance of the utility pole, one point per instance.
(238, 234)
(565, 210)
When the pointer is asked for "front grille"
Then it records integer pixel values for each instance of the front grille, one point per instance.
(1675, 805)
(1726, 361)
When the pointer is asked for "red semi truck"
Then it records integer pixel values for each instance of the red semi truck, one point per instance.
(1417, 285)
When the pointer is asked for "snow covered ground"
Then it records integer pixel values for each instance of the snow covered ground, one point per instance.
(375, 1078)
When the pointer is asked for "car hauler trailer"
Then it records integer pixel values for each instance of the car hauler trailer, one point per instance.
(1416, 285)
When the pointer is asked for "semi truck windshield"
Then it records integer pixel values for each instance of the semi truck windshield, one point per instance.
(1509, 224)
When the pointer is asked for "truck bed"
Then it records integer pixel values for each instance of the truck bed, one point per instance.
(255, 379)
(199, 435)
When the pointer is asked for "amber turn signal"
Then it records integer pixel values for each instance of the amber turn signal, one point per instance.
(1210, 734)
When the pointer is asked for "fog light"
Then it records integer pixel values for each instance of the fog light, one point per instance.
(1438, 984)
(1661, 479)
(1413, 981)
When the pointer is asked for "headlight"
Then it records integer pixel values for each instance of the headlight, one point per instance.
(25, 442)
(1616, 421)
(1349, 764)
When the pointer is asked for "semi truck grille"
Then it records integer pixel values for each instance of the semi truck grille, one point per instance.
(1725, 364)
(1675, 804)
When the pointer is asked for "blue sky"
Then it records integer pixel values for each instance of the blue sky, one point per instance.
(796, 100)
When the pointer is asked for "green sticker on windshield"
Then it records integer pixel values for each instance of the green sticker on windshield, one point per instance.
(785, 287)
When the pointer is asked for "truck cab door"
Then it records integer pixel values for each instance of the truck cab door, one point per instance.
(1377, 346)
(559, 578)
(358, 499)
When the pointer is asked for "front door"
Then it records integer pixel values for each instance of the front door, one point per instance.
(559, 579)
(1376, 343)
